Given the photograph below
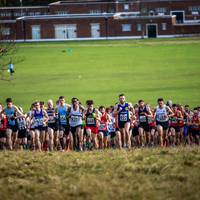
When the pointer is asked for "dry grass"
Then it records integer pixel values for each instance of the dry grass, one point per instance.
(136, 174)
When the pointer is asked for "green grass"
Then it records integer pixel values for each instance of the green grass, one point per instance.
(100, 70)
(137, 174)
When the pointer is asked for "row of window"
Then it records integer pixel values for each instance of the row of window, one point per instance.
(18, 14)
(128, 27)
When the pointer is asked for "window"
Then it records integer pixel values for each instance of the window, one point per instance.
(17, 14)
(139, 27)
(194, 8)
(6, 14)
(61, 12)
(164, 26)
(5, 31)
(36, 32)
(95, 11)
(126, 7)
(161, 10)
(126, 27)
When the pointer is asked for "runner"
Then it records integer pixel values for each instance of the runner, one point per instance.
(52, 125)
(11, 132)
(122, 111)
(162, 115)
(22, 131)
(3, 127)
(187, 127)
(39, 119)
(31, 130)
(144, 130)
(104, 136)
(65, 137)
(195, 127)
(175, 131)
(92, 118)
(76, 124)
(152, 127)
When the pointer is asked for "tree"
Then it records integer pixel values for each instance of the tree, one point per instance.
(8, 51)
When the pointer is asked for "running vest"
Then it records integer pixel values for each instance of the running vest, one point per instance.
(103, 126)
(21, 123)
(3, 124)
(141, 115)
(91, 119)
(196, 124)
(38, 119)
(51, 115)
(123, 115)
(162, 114)
(10, 114)
(111, 125)
(62, 115)
(75, 117)
(174, 120)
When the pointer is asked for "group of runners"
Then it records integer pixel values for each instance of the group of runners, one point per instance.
(74, 127)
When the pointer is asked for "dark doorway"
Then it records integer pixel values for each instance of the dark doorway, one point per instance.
(179, 16)
(152, 31)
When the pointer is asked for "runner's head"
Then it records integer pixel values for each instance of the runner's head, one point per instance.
(174, 107)
(196, 111)
(75, 101)
(141, 103)
(169, 103)
(42, 104)
(62, 100)
(37, 105)
(90, 104)
(9, 102)
(161, 102)
(50, 103)
(122, 98)
(102, 109)
(187, 108)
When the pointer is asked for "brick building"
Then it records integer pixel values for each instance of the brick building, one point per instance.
(95, 19)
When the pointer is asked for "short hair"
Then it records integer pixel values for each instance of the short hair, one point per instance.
(141, 100)
(121, 95)
(187, 106)
(89, 102)
(9, 100)
(160, 99)
(101, 107)
(41, 103)
(61, 97)
(174, 105)
(74, 99)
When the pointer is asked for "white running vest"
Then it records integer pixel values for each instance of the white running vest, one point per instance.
(75, 117)
(162, 114)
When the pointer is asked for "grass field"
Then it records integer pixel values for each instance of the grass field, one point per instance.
(101, 70)
(167, 174)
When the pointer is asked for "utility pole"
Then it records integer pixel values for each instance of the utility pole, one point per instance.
(21, 5)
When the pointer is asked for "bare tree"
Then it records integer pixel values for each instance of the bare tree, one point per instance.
(8, 51)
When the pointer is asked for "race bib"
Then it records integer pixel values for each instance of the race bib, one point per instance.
(74, 118)
(39, 122)
(102, 127)
(90, 121)
(123, 117)
(143, 119)
(162, 117)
